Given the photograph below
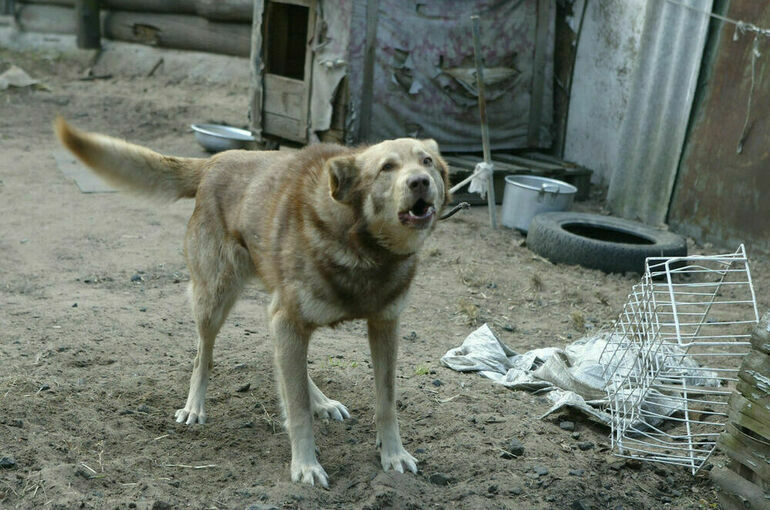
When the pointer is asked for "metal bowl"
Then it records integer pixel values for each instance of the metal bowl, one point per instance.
(218, 137)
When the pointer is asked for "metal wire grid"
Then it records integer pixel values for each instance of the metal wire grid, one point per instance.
(673, 357)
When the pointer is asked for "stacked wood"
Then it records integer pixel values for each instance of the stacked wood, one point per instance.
(216, 26)
(217, 10)
(745, 481)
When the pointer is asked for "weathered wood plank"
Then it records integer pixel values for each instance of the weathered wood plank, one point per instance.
(746, 450)
(284, 96)
(746, 413)
(760, 337)
(256, 65)
(285, 127)
(178, 31)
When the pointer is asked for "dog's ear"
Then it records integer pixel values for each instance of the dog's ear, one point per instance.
(431, 145)
(343, 177)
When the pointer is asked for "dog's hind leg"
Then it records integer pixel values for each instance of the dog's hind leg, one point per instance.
(291, 341)
(383, 342)
(217, 275)
(323, 406)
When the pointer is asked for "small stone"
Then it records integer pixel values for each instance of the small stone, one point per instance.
(576, 472)
(550, 498)
(132, 505)
(580, 505)
(7, 462)
(576, 435)
(126, 411)
(516, 491)
(567, 425)
(74, 305)
(136, 278)
(16, 423)
(540, 470)
(676, 493)
(439, 479)
(260, 506)
(418, 451)
(509, 327)
(615, 463)
(635, 464)
(411, 336)
(585, 445)
(244, 388)
(492, 489)
(437, 382)
(665, 499)
(160, 505)
(144, 408)
(248, 425)
(81, 471)
(515, 447)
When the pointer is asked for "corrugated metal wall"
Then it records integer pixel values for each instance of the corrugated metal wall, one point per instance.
(655, 121)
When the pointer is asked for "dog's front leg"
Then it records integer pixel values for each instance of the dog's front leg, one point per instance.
(291, 341)
(383, 342)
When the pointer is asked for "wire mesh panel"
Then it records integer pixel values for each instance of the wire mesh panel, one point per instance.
(673, 356)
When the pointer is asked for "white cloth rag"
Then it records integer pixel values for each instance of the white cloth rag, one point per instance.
(483, 172)
(575, 376)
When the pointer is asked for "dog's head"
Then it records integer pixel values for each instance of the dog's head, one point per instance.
(399, 187)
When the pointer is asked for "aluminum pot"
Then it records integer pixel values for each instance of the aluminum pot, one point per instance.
(218, 137)
(528, 195)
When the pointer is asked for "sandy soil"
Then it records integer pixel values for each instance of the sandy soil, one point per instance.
(96, 345)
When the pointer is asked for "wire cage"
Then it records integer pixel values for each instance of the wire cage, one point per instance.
(673, 356)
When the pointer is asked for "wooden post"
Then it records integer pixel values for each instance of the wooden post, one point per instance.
(367, 85)
(538, 74)
(88, 30)
(491, 204)
(257, 89)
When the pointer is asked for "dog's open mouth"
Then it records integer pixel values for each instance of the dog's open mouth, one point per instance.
(419, 215)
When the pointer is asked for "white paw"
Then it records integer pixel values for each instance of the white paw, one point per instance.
(310, 473)
(397, 459)
(191, 415)
(330, 409)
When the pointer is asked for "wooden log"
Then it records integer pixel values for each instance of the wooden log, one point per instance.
(48, 19)
(178, 31)
(87, 19)
(66, 3)
(218, 10)
(736, 492)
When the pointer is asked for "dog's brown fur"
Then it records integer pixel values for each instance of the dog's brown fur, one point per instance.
(331, 232)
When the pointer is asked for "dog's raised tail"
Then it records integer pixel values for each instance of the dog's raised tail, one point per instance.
(133, 167)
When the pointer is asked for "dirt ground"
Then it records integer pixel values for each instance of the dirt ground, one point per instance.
(97, 342)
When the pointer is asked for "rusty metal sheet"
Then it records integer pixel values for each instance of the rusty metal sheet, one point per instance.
(721, 196)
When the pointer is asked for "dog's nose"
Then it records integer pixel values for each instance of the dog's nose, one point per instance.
(419, 184)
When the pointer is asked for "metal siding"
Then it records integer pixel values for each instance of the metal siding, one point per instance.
(655, 122)
(721, 196)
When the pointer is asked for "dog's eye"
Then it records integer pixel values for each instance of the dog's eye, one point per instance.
(387, 167)
(427, 161)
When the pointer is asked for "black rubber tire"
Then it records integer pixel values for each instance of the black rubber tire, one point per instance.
(548, 237)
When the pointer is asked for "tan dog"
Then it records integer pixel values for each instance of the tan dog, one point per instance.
(332, 232)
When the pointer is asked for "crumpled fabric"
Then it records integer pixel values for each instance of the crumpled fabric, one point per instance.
(479, 182)
(575, 376)
(15, 76)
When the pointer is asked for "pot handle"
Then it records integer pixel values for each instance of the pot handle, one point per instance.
(549, 188)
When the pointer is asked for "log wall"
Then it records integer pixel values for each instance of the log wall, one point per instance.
(215, 26)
